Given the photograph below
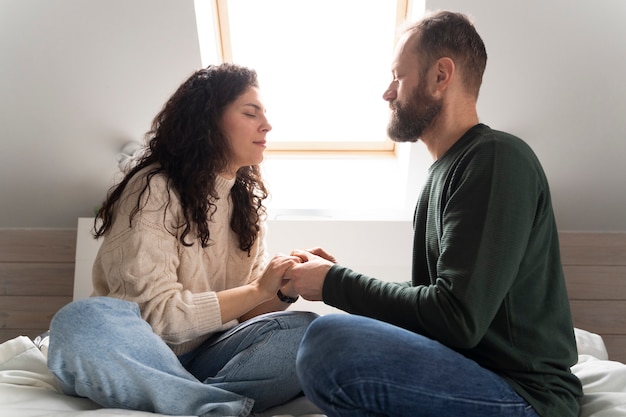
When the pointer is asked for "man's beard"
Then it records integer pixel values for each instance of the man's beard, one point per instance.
(408, 122)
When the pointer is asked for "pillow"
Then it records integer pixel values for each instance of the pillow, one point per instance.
(590, 344)
(22, 363)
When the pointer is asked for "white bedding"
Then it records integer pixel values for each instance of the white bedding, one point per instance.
(27, 389)
(604, 381)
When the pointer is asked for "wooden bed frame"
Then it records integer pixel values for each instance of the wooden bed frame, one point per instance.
(36, 278)
(37, 274)
(595, 272)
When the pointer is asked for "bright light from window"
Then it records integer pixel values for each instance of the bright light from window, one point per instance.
(322, 64)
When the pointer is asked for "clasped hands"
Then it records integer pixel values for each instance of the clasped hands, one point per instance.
(301, 273)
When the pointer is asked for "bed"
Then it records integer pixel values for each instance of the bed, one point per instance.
(37, 269)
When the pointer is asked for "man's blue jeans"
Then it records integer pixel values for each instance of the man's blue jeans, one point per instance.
(355, 366)
(102, 349)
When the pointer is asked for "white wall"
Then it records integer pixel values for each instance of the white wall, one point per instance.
(79, 78)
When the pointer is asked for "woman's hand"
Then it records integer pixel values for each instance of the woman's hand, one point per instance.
(269, 283)
(259, 296)
(289, 289)
(272, 278)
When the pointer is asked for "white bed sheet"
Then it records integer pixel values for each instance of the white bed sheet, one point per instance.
(603, 380)
(27, 389)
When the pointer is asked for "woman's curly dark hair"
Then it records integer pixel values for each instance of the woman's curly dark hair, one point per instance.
(188, 145)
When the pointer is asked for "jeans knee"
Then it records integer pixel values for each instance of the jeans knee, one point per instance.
(302, 319)
(326, 331)
(292, 319)
(317, 347)
(67, 316)
(81, 318)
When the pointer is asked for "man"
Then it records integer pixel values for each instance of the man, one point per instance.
(484, 327)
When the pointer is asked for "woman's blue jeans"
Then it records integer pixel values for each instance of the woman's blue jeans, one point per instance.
(359, 367)
(101, 348)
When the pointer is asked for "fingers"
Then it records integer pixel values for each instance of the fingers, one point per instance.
(280, 259)
(305, 255)
(302, 255)
(274, 275)
(281, 263)
(323, 254)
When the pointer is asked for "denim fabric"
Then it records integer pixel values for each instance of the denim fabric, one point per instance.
(256, 359)
(102, 349)
(355, 366)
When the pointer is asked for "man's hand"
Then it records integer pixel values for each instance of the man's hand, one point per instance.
(323, 254)
(308, 277)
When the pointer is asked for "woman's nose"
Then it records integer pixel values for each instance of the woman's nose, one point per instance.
(266, 126)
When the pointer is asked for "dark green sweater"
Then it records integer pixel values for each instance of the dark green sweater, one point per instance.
(487, 277)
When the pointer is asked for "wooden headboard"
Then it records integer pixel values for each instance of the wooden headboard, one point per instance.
(36, 278)
(595, 272)
(37, 274)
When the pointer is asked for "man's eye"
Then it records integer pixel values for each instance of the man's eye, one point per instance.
(250, 114)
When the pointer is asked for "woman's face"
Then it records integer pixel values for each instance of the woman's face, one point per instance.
(245, 126)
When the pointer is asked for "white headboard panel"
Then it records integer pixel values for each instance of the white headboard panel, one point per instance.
(86, 250)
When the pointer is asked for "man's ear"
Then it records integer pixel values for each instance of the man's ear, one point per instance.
(445, 71)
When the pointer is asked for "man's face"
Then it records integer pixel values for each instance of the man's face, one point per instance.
(413, 108)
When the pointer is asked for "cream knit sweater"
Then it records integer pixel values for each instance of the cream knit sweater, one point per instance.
(174, 285)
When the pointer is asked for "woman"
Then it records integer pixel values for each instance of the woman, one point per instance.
(182, 278)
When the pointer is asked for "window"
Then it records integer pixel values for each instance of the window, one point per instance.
(323, 66)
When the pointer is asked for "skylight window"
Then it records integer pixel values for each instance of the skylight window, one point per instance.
(322, 65)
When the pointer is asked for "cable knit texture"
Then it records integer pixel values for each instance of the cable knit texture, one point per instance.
(174, 285)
